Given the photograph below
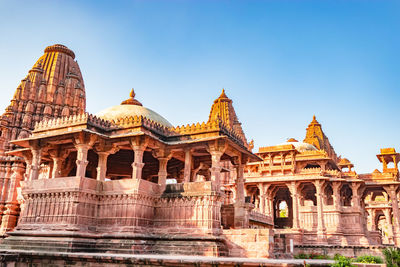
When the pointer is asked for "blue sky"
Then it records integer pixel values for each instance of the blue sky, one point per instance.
(280, 62)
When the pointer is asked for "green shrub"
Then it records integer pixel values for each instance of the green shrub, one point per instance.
(342, 261)
(369, 259)
(392, 257)
(301, 256)
(314, 256)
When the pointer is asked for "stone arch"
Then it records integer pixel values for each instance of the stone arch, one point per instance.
(307, 194)
(282, 197)
(328, 194)
(346, 195)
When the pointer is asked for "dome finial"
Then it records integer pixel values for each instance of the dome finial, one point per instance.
(132, 94)
(131, 100)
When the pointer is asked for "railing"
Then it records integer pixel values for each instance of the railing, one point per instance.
(261, 218)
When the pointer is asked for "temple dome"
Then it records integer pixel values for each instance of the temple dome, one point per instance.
(131, 107)
(300, 146)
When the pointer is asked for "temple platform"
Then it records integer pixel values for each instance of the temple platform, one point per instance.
(22, 258)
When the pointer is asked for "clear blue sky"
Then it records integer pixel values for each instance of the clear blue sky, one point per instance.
(280, 62)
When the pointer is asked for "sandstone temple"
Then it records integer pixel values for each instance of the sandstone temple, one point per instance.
(127, 181)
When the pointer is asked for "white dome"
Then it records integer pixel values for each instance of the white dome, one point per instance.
(301, 146)
(123, 111)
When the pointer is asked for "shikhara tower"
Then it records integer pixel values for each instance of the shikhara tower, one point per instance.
(53, 88)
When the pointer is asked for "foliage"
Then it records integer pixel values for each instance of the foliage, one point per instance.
(314, 256)
(369, 259)
(392, 257)
(342, 261)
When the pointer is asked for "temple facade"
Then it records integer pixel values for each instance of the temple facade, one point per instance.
(127, 181)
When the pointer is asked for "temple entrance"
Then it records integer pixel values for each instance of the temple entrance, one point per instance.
(283, 210)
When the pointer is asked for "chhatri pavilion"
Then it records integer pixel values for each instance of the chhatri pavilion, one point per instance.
(127, 181)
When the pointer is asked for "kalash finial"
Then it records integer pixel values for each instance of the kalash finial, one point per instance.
(131, 100)
(223, 95)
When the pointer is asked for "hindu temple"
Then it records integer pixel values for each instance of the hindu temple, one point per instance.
(125, 180)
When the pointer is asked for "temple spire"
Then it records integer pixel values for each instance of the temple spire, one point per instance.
(223, 110)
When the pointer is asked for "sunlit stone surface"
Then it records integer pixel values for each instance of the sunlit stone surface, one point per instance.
(127, 181)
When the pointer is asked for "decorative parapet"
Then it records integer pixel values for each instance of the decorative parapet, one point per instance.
(277, 148)
(211, 126)
(84, 118)
(137, 121)
(334, 173)
(311, 171)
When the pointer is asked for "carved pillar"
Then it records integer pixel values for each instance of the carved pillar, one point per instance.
(137, 165)
(270, 163)
(5, 185)
(388, 218)
(216, 166)
(355, 200)
(336, 195)
(292, 156)
(162, 172)
(373, 221)
(188, 166)
(58, 157)
(261, 188)
(320, 211)
(81, 159)
(295, 204)
(241, 219)
(391, 190)
(102, 166)
(35, 167)
(282, 163)
(9, 219)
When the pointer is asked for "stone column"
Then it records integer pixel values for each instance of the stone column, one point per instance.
(373, 222)
(261, 188)
(295, 204)
(321, 237)
(188, 166)
(241, 212)
(282, 163)
(102, 166)
(35, 167)
(216, 166)
(10, 216)
(336, 195)
(137, 165)
(5, 185)
(391, 190)
(355, 200)
(162, 173)
(57, 163)
(81, 159)
(388, 218)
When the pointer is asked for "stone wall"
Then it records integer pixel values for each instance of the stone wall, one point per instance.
(252, 243)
